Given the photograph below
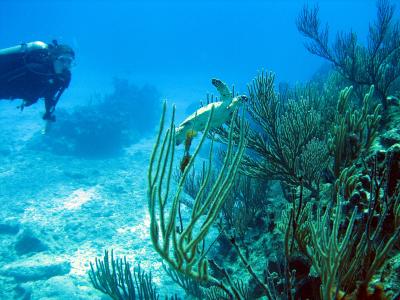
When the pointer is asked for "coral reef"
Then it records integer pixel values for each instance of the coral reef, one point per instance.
(304, 202)
(107, 124)
(177, 243)
(352, 220)
(376, 64)
(114, 278)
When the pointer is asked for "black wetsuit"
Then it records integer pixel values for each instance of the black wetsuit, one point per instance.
(30, 76)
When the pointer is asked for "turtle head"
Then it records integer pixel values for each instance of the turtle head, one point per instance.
(242, 98)
(238, 100)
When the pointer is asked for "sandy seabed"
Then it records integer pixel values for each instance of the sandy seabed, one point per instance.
(72, 208)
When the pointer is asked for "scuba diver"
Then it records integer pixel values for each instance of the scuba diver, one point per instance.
(36, 70)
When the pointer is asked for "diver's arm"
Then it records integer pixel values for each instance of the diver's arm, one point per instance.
(54, 96)
(50, 105)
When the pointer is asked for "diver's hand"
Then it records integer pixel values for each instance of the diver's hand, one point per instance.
(48, 116)
(47, 127)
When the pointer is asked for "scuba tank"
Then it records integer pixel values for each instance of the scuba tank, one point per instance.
(23, 48)
(34, 52)
(14, 59)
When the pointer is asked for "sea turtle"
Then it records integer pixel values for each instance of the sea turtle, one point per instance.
(223, 110)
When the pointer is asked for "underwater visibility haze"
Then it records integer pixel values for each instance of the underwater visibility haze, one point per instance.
(200, 149)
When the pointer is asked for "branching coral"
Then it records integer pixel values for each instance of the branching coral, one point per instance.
(114, 277)
(353, 131)
(328, 251)
(375, 64)
(350, 238)
(183, 248)
(348, 253)
(246, 205)
(281, 135)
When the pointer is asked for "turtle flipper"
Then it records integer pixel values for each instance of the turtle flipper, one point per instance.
(222, 88)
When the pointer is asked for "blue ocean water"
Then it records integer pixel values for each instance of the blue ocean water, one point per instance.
(61, 207)
(177, 45)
